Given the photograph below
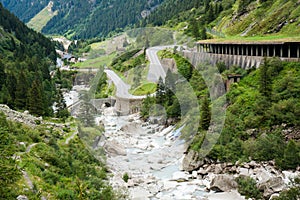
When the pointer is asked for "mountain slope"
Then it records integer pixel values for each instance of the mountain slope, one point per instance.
(97, 18)
(84, 19)
(25, 59)
(230, 17)
(42, 18)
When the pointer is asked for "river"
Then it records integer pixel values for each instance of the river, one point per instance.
(150, 155)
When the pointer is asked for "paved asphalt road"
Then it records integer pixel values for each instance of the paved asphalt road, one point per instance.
(122, 87)
(155, 71)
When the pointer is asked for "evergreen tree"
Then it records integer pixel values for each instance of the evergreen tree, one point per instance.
(195, 28)
(203, 35)
(169, 88)
(35, 99)
(5, 97)
(160, 92)
(291, 157)
(11, 87)
(49, 97)
(2, 74)
(265, 80)
(21, 90)
(205, 115)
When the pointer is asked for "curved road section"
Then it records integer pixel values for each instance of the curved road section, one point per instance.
(156, 70)
(122, 87)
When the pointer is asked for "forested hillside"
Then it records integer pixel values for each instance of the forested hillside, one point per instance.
(229, 17)
(85, 19)
(88, 19)
(25, 10)
(25, 60)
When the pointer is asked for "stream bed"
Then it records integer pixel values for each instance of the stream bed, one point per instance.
(151, 157)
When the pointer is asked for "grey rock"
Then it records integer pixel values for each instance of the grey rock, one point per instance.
(232, 195)
(218, 169)
(22, 197)
(223, 183)
(273, 185)
(114, 148)
(191, 161)
(244, 171)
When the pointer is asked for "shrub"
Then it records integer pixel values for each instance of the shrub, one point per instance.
(247, 186)
(125, 177)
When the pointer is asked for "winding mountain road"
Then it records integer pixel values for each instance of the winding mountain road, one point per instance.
(156, 70)
(122, 87)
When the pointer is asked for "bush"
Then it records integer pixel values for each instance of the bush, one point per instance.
(247, 186)
(125, 177)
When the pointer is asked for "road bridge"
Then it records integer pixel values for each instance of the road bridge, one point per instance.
(245, 54)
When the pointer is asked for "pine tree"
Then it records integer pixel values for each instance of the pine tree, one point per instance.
(49, 97)
(35, 99)
(11, 87)
(21, 90)
(291, 157)
(5, 97)
(205, 115)
(169, 88)
(160, 92)
(265, 80)
(203, 35)
(2, 74)
(195, 29)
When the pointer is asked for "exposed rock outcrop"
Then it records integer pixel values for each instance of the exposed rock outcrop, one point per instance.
(23, 118)
(191, 161)
(223, 183)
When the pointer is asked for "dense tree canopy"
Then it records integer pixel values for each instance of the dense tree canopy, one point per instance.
(25, 60)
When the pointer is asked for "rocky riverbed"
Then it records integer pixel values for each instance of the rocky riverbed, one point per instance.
(154, 161)
(152, 157)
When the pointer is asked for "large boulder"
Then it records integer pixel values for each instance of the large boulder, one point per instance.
(232, 195)
(114, 148)
(191, 161)
(223, 183)
(273, 185)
